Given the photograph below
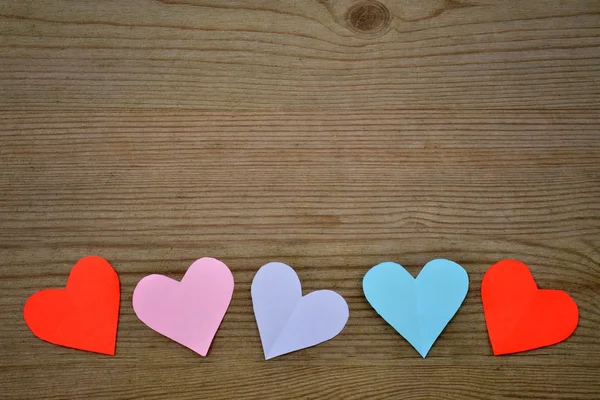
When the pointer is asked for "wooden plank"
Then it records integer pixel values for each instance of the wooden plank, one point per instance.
(299, 55)
(330, 135)
(331, 194)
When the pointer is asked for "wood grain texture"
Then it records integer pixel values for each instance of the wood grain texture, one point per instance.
(153, 133)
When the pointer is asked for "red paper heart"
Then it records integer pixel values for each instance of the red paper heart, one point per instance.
(82, 316)
(521, 317)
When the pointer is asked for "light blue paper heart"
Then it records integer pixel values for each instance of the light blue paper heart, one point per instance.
(418, 309)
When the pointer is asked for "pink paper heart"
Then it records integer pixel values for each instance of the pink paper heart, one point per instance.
(188, 312)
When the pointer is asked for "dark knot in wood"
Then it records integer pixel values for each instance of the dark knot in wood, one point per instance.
(368, 18)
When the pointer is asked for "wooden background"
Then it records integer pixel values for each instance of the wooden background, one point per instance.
(331, 135)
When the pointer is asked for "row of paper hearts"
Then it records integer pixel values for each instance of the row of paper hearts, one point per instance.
(84, 315)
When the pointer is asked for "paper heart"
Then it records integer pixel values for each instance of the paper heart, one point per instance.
(287, 321)
(188, 312)
(418, 309)
(82, 316)
(521, 317)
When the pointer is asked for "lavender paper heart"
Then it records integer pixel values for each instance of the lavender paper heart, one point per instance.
(286, 320)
